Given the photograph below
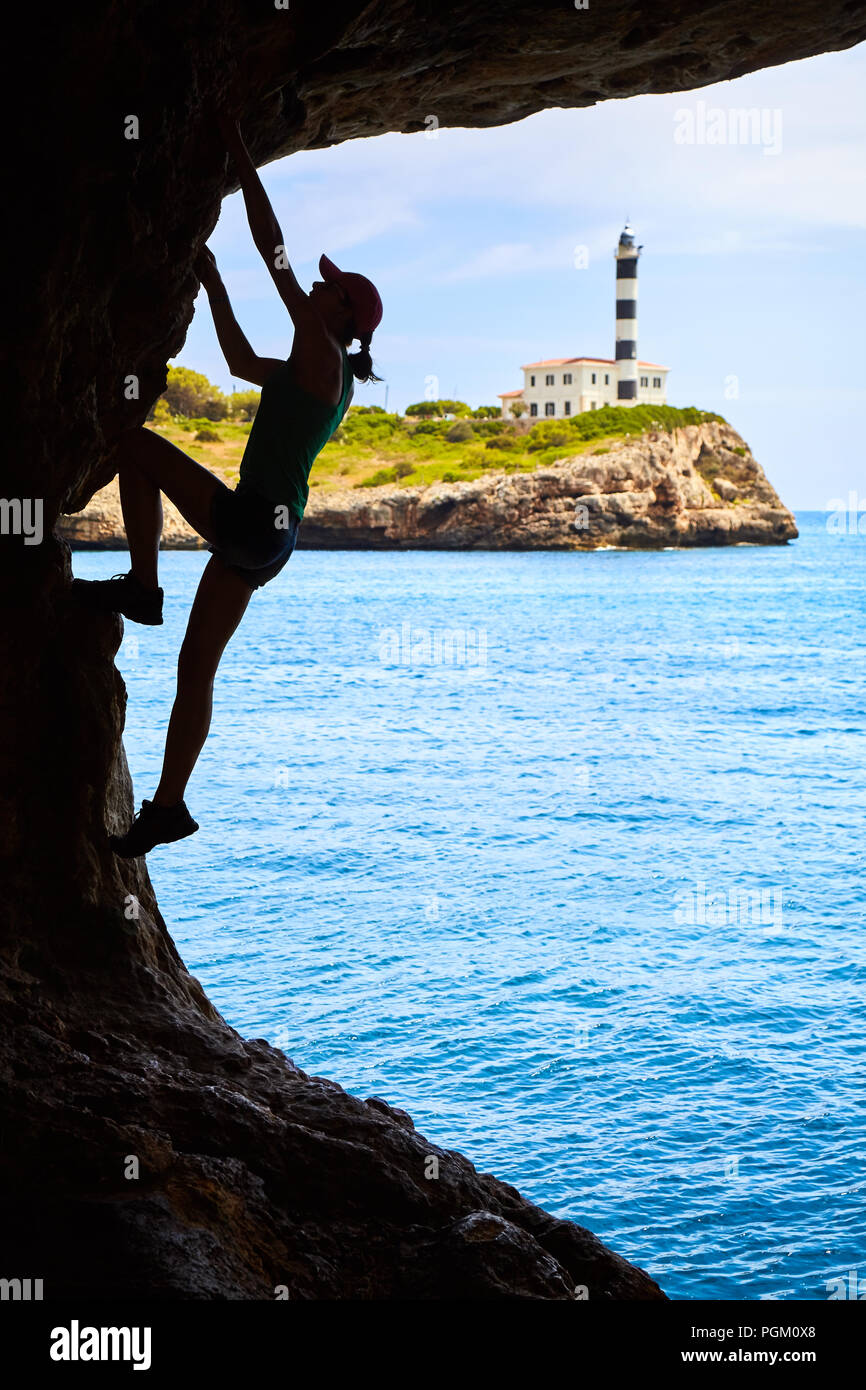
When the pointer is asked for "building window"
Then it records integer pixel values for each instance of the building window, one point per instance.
(593, 378)
(549, 408)
(592, 405)
(644, 381)
(533, 408)
(566, 379)
(607, 378)
(532, 381)
(657, 381)
(548, 380)
(567, 408)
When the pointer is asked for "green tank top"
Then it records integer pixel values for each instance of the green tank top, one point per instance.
(289, 431)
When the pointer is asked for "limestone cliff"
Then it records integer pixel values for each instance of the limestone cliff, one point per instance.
(249, 1175)
(694, 486)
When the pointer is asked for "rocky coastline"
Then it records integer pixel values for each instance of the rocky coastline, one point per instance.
(695, 486)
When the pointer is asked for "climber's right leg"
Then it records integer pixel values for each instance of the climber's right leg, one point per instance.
(147, 466)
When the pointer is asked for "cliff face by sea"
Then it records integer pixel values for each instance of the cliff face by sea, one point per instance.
(694, 486)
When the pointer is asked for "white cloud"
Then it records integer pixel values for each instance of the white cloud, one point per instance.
(617, 155)
(511, 258)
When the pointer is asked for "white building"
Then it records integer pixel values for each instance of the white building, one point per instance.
(563, 386)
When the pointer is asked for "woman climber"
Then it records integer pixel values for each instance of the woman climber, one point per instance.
(251, 531)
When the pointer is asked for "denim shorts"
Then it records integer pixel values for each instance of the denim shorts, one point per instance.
(247, 538)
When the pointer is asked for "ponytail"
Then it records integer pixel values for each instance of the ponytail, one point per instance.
(361, 362)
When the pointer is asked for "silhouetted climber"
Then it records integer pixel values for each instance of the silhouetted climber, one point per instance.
(252, 530)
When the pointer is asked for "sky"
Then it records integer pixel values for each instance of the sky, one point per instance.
(492, 248)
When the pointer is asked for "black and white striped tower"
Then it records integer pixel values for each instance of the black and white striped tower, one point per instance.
(626, 317)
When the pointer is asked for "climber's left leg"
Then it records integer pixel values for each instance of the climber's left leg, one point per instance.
(220, 603)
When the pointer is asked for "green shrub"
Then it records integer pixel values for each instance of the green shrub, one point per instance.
(615, 420)
(431, 427)
(195, 422)
(369, 426)
(187, 392)
(244, 404)
(159, 412)
(379, 479)
(438, 408)
(486, 428)
(460, 432)
(403, 469)
(544, 457)
(216, 407)
(544, 435)
(208, 436)
(449, 477)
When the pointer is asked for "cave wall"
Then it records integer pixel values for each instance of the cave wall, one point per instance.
(101, 233)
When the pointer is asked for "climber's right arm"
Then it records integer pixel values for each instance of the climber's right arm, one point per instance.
(263, 223)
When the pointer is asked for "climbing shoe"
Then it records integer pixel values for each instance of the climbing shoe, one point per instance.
(122, 594)
(154, 825)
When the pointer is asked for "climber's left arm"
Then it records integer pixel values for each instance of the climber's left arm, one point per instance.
(241, 360)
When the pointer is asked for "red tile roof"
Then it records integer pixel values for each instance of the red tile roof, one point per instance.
(565, 361)
(555, 362)
(503, 394)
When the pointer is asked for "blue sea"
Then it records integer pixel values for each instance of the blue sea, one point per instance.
(563, 854)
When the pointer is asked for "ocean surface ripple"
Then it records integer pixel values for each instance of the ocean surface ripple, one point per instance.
(562, 853)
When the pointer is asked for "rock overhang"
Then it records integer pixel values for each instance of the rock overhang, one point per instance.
(105, 266)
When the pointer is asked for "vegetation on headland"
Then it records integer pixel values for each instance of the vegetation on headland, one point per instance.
(435, 441)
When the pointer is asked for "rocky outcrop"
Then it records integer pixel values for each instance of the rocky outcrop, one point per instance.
(99, 525)
(247, 1174)
(687, 487)
(694, 486)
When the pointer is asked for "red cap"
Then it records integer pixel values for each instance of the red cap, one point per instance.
(363, 295)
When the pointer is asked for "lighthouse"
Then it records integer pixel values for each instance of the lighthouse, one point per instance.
(561, 387)
(626, 317)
